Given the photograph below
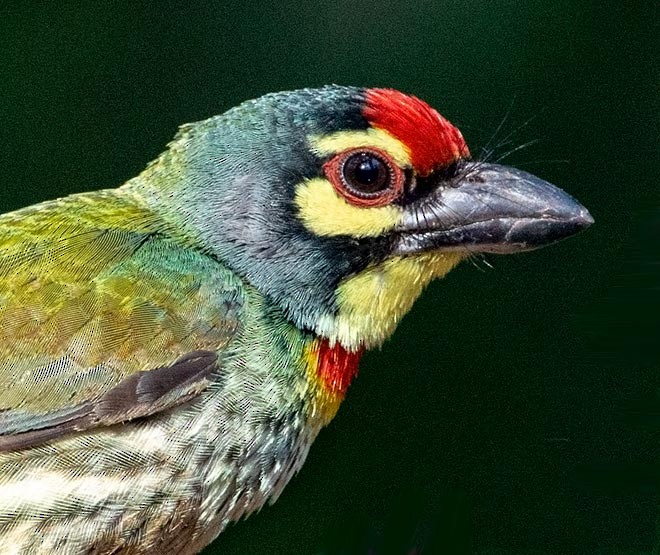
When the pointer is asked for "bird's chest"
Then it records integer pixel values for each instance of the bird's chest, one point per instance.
(172, 482)
(256, 425)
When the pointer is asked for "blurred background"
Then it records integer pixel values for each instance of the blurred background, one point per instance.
(517, 408)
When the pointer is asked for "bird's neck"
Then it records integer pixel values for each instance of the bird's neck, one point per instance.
(335, 367)
(330, 370)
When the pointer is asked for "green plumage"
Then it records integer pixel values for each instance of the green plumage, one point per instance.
(169, 349)
(89, 302)
(86, 301)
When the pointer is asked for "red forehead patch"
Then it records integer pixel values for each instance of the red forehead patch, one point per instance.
(431, 140)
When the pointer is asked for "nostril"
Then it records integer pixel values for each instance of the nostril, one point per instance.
(448, 172)
(454, 174)
(448, 176)
(470, 171)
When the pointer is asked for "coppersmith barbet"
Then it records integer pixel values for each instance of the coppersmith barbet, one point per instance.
(170, 349)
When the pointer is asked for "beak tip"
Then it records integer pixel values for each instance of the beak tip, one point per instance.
(585, 219)
(577, 219)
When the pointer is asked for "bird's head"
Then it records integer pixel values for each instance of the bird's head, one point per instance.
(341, 204)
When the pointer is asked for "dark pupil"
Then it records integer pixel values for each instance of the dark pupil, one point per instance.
(366, 174)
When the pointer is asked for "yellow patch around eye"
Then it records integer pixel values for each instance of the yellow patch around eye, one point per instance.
(328, 145)
(324, 212)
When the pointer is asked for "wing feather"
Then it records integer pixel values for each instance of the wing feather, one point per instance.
(103, 320)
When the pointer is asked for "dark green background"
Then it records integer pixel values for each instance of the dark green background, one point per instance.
(517, 408)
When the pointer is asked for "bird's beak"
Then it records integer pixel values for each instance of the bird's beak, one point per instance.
(491, 208)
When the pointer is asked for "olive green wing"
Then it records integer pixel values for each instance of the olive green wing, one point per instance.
(104, 317)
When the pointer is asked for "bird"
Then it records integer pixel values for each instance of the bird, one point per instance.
(170, 348)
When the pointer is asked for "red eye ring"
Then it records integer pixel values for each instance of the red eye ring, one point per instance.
(365, 176)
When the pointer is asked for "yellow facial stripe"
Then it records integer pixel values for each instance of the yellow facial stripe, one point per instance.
(328, 145)
(324, 212)
(372, 303)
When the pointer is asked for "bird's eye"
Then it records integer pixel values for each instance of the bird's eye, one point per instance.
(365, 176)
(366, 173)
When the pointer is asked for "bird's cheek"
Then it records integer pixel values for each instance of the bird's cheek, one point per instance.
(372, 302)
(323, 212)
